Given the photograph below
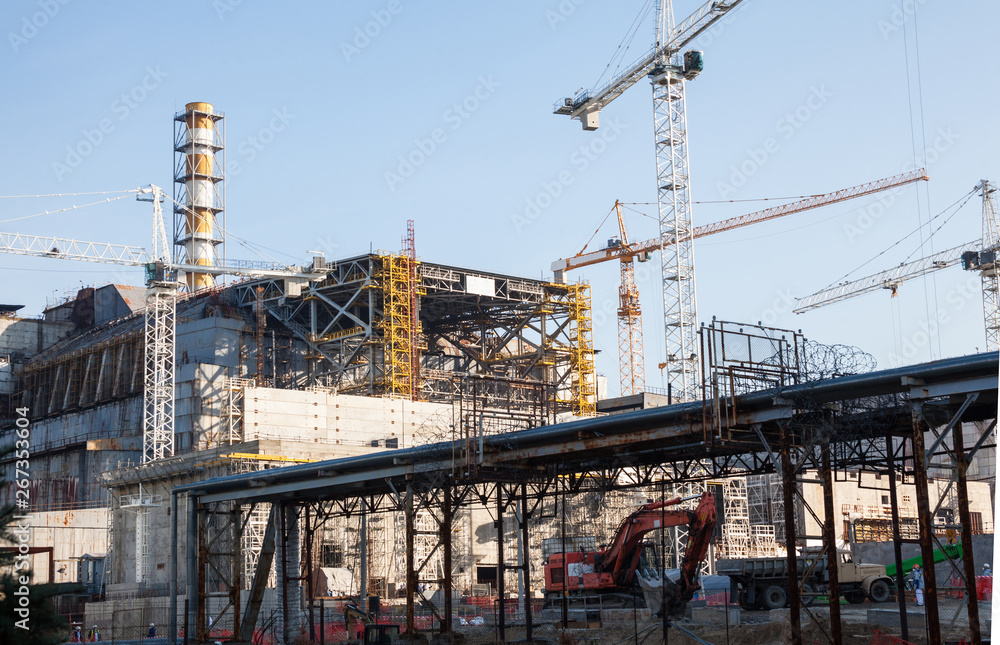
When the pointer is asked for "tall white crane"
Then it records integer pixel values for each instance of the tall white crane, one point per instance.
(979, 255)
(668, 69)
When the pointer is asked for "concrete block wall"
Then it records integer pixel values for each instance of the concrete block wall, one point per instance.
(72, 534)
(322, 417)
(22, 338)
(198, 405)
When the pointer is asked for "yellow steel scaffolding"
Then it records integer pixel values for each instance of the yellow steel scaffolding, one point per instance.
(581, 334)
(400, 326)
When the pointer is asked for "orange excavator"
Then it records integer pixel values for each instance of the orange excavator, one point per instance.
(612, 571)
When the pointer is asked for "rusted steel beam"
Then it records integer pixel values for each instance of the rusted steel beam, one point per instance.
(283, 572)
(897, 539)
(972, 602)
(445, 528)
(411, 575)
(788, 488)
(501, 570)
(925, 521)
(830, 539)
(526, 562)
(200, 628)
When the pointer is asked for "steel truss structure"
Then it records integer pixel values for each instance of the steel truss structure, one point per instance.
(851, 422)
(680, 304)
(357, 324)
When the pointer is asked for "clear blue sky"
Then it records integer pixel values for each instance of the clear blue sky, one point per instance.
(351, 105)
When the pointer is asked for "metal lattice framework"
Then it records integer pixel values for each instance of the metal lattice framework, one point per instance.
(673, 193)
(158, 416)
(472, 323)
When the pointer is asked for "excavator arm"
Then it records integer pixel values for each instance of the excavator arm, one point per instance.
(676, 595)
(622, 556)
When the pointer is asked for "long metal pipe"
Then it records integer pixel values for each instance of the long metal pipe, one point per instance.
(871, 384)
(172, 634)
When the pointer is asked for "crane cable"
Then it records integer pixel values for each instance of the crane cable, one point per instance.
(928, 294)
(242, 242)
(99, 192)
(626, 40)
(964, 200)
(68, 208)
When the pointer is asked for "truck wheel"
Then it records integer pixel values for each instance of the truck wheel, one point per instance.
(744, 603)
(879, 591)
(807, 598)
(855, 597)
(774, 597)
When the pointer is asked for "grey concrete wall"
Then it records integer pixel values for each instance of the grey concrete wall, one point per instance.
(883, 553)
(22, 338)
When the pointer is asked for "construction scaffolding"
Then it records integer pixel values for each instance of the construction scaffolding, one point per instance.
(388, 325)
(400, 327)
(584, 386)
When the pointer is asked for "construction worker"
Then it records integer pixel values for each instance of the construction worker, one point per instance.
(94, 635)
(918, 584)
(152, 631)
(986, 570)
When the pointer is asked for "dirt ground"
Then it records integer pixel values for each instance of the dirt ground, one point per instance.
(755, 628)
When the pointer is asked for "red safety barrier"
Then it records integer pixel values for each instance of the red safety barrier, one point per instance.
(886, 639)
(984, 587)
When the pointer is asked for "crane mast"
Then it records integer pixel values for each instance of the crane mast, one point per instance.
(986, 264)
(667, 69)
(630, 351)
(673, 196)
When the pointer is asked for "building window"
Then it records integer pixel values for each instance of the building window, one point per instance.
(906, 499)
(333, 555)
(976, 523)
(885, 499)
